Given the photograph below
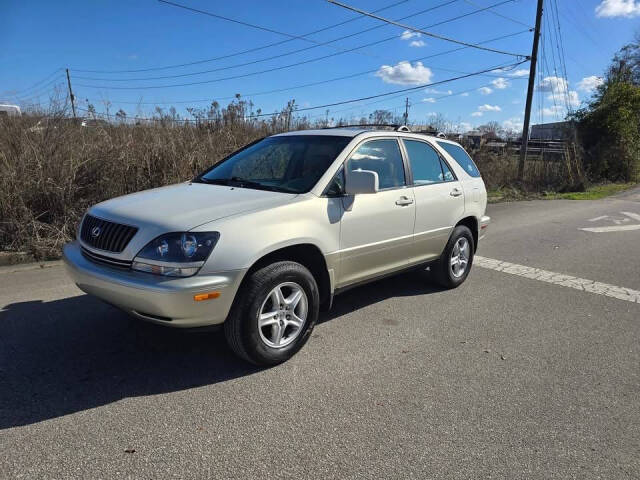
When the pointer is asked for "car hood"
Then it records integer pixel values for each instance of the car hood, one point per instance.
(184, 206)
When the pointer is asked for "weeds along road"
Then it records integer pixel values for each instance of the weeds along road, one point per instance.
(529, 370)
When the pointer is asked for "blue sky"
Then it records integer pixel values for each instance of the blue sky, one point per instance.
(41, 36)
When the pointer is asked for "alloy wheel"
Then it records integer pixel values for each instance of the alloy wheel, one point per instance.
(283, 315)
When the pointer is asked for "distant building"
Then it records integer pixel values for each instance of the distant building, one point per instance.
(474, 137)
(552, 131)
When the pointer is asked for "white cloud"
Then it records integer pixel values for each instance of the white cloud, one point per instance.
(485, 90)
(464, 127)
(574, 101)
(570, 97)
(520, 73)
(513, 123)
(552, 111)
(618, 8)
(558, 90)
(477, 114)
(552, 84)
(429, 100)
(489, 108)
(465, 94)
(408, 35)
(435, 91)
(404, 73)
(414, 37)
(500, 83)
(432, 114)
(589, 84)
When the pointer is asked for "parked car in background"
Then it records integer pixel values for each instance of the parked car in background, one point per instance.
(94, 122)
(264, 239)
(10, 111)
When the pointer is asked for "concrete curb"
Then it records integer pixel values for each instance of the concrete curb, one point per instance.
(30, 266)
(14, 258)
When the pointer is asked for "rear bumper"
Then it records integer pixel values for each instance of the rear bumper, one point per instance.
(484, 223)
(163, 300)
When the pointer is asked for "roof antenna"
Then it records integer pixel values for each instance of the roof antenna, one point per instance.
(403, 128)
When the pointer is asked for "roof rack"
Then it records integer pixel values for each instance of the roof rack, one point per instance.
(396, 127)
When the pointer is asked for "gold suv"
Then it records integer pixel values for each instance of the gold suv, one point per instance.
(265, 238)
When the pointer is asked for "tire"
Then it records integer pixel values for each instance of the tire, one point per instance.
(258, 298)
(444, 273)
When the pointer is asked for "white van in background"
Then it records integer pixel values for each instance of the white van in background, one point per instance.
(10, 111)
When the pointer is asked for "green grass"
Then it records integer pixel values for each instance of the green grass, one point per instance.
(594, 192)
(510, 194)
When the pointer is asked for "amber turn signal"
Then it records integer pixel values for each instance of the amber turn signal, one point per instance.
(206, 296)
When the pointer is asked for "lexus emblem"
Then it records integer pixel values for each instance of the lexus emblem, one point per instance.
(95, 232)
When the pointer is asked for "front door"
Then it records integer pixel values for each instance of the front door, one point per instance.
(377, 229)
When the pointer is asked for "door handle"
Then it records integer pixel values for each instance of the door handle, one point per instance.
(403, 201)
(456, 192)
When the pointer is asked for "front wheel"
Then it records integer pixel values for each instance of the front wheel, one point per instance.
(274, 314)
(455, 262)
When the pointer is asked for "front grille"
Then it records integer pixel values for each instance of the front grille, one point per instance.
(112, 262)
(105, 235)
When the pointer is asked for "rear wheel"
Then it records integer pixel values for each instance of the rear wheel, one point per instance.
(274, 314)
(455, 262)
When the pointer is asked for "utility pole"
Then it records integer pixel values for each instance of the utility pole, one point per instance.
(532, 81)
(73, 104)
(406, 111)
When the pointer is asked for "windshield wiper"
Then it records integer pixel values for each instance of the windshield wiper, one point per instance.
(244, 183)
(212, 181)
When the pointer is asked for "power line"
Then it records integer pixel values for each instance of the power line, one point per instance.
(453, 94)
(429, 34)
(432, 84)
(46, 88)
(560, 48)
(283, 54)
(499, 14)
(259, 72)
(243, 52)
(21, 92)
(335, 79)
(288, 53)
(393, 37)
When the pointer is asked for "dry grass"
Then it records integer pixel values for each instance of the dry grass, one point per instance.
(51, 172)
(50, 176)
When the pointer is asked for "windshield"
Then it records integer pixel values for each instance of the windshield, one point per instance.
(291, 163)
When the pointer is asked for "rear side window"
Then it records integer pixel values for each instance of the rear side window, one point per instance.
(461, 157)
(382, 157)
(426, 166)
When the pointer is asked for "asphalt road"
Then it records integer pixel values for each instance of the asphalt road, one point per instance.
(505, 377)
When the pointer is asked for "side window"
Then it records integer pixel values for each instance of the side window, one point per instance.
(448, 175)
(384, 158)
(461, 157)
(336, 187)
(425, 163)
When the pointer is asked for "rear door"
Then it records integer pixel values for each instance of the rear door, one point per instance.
(377, 229)
(439, 200)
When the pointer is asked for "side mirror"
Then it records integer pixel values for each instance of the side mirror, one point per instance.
(361, 181)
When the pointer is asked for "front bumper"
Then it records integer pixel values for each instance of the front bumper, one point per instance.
(164, 300)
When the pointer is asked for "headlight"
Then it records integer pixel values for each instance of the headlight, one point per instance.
(176, 254)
